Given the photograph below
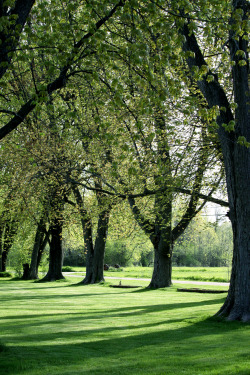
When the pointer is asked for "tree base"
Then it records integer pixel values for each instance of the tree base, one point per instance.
(53, 278)
(158, 285)
(89, 281)
(234, 314)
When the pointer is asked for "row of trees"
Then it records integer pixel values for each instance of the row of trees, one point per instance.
(202, 244)
(136, 101)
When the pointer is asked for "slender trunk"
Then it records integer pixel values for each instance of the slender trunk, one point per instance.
(94, 271)
(39, 237)
(162, 241)
(41, 250)
(4, 261)
(87, 234)
(95, 253)
(1, 245)
(9, 236)
(56, 251)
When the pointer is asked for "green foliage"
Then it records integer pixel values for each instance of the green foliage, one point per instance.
(117, 252)
(5, 274)
(105, 122)
(18, 256)
(204, 244)
(68, 269)
(74, 257)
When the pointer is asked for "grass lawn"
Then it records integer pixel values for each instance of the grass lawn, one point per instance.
(64, 328)
(220, 274)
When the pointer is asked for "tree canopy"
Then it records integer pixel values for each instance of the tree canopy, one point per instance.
(136, 100)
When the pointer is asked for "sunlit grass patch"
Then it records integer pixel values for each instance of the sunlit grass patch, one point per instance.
(64, 328)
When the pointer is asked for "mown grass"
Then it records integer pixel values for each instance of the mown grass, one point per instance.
(63, 328)
(217, 274)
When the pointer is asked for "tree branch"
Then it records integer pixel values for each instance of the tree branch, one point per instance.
(60, 81)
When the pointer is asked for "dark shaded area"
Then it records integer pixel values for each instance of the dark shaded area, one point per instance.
(198, 290)
(125, 286)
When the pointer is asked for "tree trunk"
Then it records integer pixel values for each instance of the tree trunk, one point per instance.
(56, 251)
(162, 242)
(162, 272)
(4, 261)
(95, 263)
(95, 253)
(41, 250)
(9, 236)
(237, 304)
(1, 245)
(39, 237)
(236, 156)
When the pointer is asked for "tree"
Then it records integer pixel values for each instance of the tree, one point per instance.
(40, 242)
(13, 16)
(140, 157)
(94, 249)
(78, 47)
(234, 135)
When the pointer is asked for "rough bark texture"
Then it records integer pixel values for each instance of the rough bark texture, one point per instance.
(237, 164)
(162, 273)
(56, 251)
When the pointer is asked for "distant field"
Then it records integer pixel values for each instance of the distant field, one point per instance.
(219, 274)
(63, 328)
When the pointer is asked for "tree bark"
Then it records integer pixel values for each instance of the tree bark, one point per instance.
(1, 245)
(236, 158)
(39, 239)
(10, 230)
(94, 270)
(56, 251)
(94, 252)
(41, 250)
(162, 272)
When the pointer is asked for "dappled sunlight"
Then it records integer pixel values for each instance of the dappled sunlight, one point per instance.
(98, 329)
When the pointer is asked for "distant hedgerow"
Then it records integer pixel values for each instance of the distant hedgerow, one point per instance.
(5, 274)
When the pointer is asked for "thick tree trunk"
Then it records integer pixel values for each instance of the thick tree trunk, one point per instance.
(236, 158)
(95, 263)
(95, 253)
(162, 272)
(162, 242)
(237, 305)
(56, 251)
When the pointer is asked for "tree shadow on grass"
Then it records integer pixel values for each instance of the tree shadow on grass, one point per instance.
(81, 317)
(100, 346)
